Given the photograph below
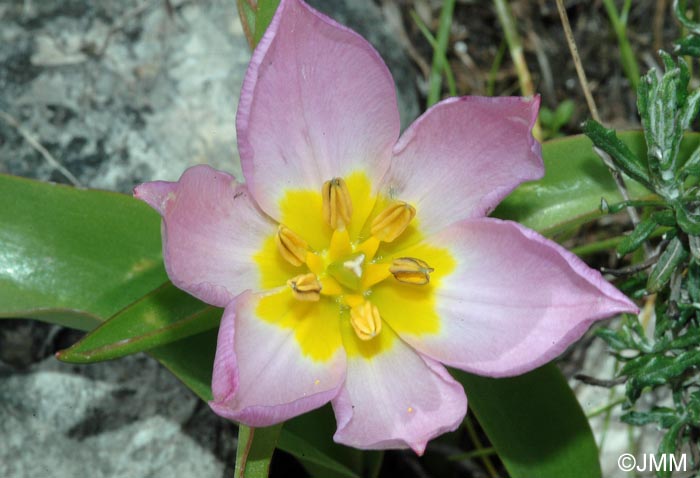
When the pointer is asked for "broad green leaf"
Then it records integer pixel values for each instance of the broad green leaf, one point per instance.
(255, 449)
(73, 256)
(163, 316)
(191, 360)
(535, 423)
(575, 181)
(263, 17)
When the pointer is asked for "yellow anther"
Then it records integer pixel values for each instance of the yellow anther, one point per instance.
(292, 247)
(337, 204)
(366, 321)
(411, 270)
(305, 287)
(392, 221)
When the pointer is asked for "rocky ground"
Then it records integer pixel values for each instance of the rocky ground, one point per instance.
(110, 94)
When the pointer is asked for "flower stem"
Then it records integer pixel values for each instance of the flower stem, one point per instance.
(485, 458)
(255, 449)
(439, 57)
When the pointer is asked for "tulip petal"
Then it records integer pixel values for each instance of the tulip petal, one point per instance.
(463, 156)
(211, 230)
(317, 102)
(396, 399)
(261, 375)
(513, 302)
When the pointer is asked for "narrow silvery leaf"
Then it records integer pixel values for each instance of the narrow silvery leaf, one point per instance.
(622, 156)
(640, 234)
(688, 46)
(674, 254)
(688, 222)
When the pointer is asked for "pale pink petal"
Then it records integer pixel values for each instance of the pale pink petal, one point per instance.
(514, 301)
(261, 377)
(462, 156)
(317, 102)
(397, 399)
(211, 230)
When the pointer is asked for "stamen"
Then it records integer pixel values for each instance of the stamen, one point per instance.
(410, 270)
(305, 287)
(337, 204)
(366, 321)
(392, 221)
(291, 246)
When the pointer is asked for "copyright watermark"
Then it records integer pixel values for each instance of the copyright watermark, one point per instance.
(651, 462)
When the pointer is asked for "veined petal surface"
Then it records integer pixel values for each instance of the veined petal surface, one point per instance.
(211, 231)
(514, 301)
(462, 156)
(317, 103)
(261, 374)
(395, 398)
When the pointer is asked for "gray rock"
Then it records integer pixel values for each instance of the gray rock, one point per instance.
(121, 96)
(126, 418)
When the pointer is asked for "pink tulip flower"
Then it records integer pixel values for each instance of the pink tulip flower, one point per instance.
(354, 263)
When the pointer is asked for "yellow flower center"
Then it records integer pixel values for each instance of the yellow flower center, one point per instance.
(347, 261)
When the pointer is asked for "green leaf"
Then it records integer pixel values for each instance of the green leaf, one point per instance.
(620, 154)
(563, 113)
(689, 46)
(664, 416)
(640, 234)
(263, 17)
(575, 181)
(673, 255)
(535, 423)
(668, 447)
(654, 370)
(255, 449)
(191, 360)
(310, 439)
(73, 256)
(163, 316)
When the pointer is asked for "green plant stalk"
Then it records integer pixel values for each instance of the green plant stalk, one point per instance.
(619, 24)
(255, 449)
(449, 76)
(515, 47)
(605, 408)
(443, 36)
(470, 455)
(485, 458)
(607, 244)
(495, 66)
